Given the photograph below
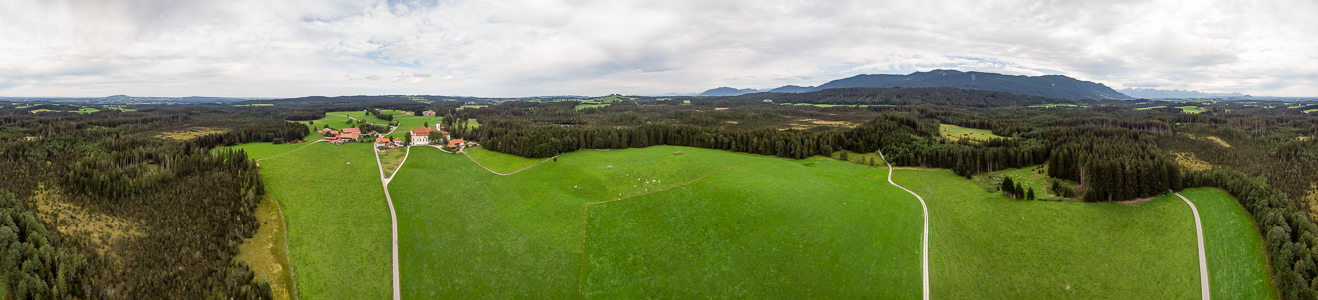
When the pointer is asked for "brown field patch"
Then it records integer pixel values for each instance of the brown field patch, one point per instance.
(803, 124)
(185, 134)
(1188, 161)
(266, 252)
(720, 108)
(99, 229)
(1210, 138)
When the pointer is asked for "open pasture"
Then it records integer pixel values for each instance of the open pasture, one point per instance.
(822, 227)
(337, 220)
(1190, 109)
(954, 132)
(987, 246)
(1236, 266)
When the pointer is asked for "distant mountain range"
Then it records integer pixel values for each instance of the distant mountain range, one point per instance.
(1163, 94)
(1056, 86)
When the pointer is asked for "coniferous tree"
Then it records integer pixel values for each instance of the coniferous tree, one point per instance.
(1030, 195)
(1007, 185)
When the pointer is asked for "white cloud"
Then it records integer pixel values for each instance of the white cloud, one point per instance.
(535, 47)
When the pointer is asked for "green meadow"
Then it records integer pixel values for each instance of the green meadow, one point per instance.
(1236, 265)
(819, 227)
(264, 150)
(987, 246)
(1190, 109)
(337, 220)
(957, 132)
(1054, 105)
(500, 162)
(1151, 107)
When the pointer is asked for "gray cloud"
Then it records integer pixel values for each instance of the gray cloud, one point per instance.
(515, 48)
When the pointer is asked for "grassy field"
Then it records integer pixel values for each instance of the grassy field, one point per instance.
(86, 110)
(1054, 105)
(471, 106)
(500, 162)
(1034, 177)
(859, 158)
(465, 232)
(1236, 267)
(957, 132)
(334, 122)
(1190, 109)
(264, 150)
(267, 251)
(391, 159)
(365, 117)
(337, 220)
(584, 106)
(1311, 110)
(1151, 107)
(817, 228)
(987, 246)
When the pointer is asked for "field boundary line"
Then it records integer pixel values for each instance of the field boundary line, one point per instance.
(502, 174)
(1203, 258)
(290, 151)
(924, 246)
(585, 223)
(393, 218)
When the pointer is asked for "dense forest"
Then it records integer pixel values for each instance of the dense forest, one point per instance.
(189, 207)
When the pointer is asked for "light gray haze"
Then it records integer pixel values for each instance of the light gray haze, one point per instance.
(273, 48)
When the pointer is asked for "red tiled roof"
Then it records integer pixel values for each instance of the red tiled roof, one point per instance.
(422, 130)
(350, 135)
(455, 142)
(352, 130)
(382, 140)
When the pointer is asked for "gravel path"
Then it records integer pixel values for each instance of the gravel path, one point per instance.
(1203, 259)
(924, 246)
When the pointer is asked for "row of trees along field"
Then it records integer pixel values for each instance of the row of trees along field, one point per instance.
(1113, 156)
(192, 206)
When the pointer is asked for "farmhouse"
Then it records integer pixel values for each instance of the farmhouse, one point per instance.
(454, 143)
(428, 113)
(383, 141)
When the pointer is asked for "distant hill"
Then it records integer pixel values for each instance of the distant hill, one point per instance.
(792, 89)
(1056, 86)
(727, 91)
(1176, 94)
(908, 96)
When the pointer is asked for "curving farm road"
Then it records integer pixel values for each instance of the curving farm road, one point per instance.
(924, 246)
(1203, 259)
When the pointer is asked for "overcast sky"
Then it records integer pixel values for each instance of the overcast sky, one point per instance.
(273, 48)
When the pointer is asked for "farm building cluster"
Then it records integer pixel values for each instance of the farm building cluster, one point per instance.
(421, 135)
